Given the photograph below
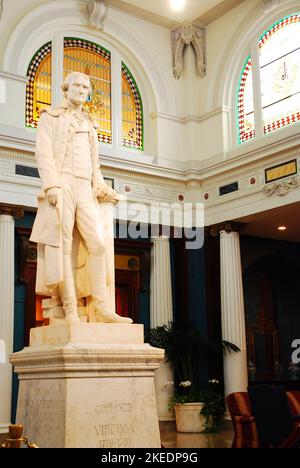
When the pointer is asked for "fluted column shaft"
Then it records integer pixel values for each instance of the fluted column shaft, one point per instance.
(7, 280)
(161, 313)
(233, 312)
(161, 308)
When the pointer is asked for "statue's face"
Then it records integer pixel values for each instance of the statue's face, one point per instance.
(78, 90)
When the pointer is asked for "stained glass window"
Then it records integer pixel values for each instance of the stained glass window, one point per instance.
(280, 73)
(132, 111)
(38, 90)
(93, 60)
(246, 126)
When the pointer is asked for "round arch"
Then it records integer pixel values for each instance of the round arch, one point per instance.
(222, 90)
(49, 20)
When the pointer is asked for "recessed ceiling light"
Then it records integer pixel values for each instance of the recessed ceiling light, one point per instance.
(178, 4)
(282, 228)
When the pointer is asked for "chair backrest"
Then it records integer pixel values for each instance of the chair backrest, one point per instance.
(272, 413)
(245, 433)
(294, 402)
(239, 404)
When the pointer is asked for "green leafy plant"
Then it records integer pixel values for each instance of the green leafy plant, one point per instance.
(185, 350)
(184, 347)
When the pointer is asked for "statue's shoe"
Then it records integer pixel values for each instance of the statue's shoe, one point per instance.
(107, 317)
(104, 315)
(71, 315)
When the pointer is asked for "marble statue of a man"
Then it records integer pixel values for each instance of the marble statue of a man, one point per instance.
(72, 254)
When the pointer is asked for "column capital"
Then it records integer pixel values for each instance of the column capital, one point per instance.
(160, 238)
(11, 210)
(227, 226)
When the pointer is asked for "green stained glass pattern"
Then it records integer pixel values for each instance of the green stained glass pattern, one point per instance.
(132, 112)
(246, 124)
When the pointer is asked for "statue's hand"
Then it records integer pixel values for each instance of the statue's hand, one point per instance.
(53, 195)
(102, 191)
(107, 194)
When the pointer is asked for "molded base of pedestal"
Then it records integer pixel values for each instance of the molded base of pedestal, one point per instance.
(88, 394)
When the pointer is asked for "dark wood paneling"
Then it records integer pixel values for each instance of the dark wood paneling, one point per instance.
(27, 275)
(213, 301)
(181, 281)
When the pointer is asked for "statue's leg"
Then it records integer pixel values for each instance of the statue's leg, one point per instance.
(89, 226)
(67, 287)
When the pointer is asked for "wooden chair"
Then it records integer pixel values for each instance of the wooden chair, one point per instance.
(245, 432)
(245, 429)
(274, 418)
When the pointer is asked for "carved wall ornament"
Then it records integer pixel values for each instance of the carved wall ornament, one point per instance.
(98, 12)
(269, 4)
(188, 34)
(283, 187)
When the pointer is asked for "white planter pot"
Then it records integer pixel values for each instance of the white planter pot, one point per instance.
(188, 417)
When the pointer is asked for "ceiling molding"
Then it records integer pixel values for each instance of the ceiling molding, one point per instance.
(211, 15)
(214, 13)
(141, 13)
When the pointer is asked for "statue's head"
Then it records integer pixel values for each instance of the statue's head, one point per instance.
(76, 87)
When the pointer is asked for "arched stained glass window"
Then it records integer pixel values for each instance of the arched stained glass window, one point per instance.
(132, 111)
(38, 90)
(276, 75)
(93, 60)
(280, 73)
(246, 129)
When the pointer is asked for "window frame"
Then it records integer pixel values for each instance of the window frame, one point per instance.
(57, 42)
(253, 51)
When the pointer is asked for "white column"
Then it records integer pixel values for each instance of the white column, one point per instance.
(161, 313)
(161, 308)
(7, 281)
(233, 313)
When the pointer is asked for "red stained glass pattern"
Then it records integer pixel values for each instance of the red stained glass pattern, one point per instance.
(38, 89)
(280, 73)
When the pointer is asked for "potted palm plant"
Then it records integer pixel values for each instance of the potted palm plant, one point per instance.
(197, 409)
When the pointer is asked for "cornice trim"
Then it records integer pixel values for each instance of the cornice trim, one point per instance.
(191, 118)
(12, 76)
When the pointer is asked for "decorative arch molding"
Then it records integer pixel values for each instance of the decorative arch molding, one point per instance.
(50, 19)
(222, 91)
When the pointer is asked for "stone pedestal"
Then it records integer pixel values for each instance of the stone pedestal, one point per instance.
(164, 390)
(88, 385)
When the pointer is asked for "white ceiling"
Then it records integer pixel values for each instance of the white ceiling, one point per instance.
(192, 10)
(265, 224)
(160, 11)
